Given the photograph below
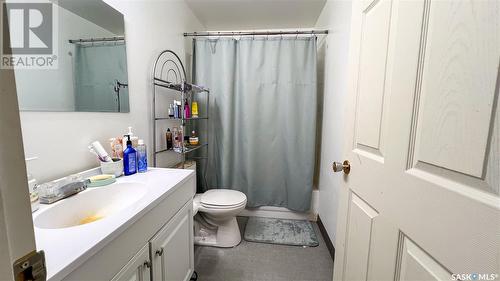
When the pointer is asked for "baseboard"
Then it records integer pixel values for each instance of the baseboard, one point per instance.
(284, 213)
(326, 237)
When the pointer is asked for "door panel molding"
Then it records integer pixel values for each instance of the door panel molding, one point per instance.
(435, 157)
(418, 85)
(372, 96)
(414, 263)
(360, 222)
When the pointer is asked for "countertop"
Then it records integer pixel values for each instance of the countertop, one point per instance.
(68, 248)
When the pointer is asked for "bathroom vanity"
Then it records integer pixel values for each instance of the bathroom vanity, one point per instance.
(141, 228)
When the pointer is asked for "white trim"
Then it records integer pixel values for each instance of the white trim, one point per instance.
(284, 213)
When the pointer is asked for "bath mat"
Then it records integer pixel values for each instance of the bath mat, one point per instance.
(281, 231)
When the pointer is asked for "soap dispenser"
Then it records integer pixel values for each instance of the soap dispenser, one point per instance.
(129, 159)
(134, 139)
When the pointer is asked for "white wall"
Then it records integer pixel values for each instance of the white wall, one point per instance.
(60, 139)
(333, 53)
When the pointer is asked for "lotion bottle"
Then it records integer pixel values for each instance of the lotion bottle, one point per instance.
(129, 159)
(142, 157)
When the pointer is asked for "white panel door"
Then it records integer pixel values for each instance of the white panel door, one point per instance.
(137, 269)
(422, 199)
(172, 248)
(17, 238)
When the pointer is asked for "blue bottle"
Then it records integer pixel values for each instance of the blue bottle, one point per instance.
(129, 159)
(142, 157)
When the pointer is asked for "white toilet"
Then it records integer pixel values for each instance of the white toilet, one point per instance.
(215, 214)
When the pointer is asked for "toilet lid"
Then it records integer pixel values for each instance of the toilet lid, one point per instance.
(223, 197)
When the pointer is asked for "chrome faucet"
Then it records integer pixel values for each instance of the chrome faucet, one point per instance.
(52, 192)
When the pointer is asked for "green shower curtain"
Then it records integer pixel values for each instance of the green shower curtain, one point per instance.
(262, 117)
(96, 70)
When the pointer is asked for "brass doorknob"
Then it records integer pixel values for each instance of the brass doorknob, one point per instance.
(346, 167)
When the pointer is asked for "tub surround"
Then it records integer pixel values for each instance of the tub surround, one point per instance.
(71, 252)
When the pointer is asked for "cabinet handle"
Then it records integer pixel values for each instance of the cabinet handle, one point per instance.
(159, 252)
(147, 264)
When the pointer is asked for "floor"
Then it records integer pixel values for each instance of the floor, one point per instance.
(264, 262)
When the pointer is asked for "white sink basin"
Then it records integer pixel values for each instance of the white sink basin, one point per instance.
(91, 205)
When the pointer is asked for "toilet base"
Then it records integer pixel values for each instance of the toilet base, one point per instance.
(226, 235)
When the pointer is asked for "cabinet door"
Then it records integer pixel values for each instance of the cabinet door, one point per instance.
(137, 269)
(172, 248)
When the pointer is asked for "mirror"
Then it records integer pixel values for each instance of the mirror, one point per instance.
(91, 73)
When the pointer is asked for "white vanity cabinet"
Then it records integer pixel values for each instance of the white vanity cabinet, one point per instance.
(158, 246)
(137, 269)
(172, 248)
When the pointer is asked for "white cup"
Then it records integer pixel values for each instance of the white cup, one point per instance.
(113, 168)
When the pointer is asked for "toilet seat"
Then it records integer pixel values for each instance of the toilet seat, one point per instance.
(223, 207)
(222, 199)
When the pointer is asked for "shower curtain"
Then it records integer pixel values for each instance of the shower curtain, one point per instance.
(262, 117)
(96, 68)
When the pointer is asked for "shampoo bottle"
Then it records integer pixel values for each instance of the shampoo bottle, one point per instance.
(187, 110)
(129, 159)
(194, 109)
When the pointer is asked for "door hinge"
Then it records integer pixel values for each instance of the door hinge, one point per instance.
(31, 267)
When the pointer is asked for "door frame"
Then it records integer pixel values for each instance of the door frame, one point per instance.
(17, 238)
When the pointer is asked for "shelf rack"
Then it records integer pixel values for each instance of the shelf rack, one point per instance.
(169, 73)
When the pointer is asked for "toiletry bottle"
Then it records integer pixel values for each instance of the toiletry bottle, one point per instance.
(168, 136)
(129, 159)
(175, 134)
(181, 138)
(193, 140)
(175, 109)
(133, 138)
(97, 148)
(187, 110)
(194, 109)
(170, 111)
(179, 109)
(116, 147)
(142, 157)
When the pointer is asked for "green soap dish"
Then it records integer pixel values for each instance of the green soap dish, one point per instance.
(101, 182)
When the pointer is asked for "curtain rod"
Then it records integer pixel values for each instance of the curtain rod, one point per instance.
(244, 33)
(97, 40)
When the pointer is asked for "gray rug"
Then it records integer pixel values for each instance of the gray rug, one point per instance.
(281, 231)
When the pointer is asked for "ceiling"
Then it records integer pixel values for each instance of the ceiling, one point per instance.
(256, 14)
(96, 11)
